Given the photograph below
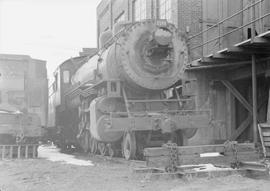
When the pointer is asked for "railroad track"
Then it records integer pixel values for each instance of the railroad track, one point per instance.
(24, 151)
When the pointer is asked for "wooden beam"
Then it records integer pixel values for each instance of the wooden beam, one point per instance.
(246, 122)
(254, 99)
(261, 40)
(242, 128)
(230, 115)
(242, 50)
(238, 95)
(230, 57)
(160, 156)
(245, 73)
(216, 60)
(197, 150)
(163, 161)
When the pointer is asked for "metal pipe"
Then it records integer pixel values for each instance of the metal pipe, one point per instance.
(254, 99)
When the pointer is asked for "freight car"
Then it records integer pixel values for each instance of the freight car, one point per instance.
(130, 95)
(23, 100)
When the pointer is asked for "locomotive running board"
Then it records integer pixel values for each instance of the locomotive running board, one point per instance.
(18, 151)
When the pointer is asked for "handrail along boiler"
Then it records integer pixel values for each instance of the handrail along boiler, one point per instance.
(128, 95)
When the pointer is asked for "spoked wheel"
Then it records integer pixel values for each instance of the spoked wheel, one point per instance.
(129, 145)
(93, 145)
(102, 148)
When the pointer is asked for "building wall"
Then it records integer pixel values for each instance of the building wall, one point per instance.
(192, 17)
(109, 11)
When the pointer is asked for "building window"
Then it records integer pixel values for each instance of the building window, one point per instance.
(165, 10)
(139, 10)
(120, 17)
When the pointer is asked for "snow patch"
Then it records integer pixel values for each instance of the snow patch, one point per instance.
(210, 154)
(53, 154)
(206, 167)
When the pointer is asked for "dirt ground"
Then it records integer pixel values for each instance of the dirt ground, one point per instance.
(45, 175)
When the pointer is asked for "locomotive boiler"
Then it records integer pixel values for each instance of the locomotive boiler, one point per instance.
(128, 96)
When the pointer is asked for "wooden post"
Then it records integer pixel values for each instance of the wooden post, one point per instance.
(26, 151)
(10, 151)
(254, 99)
(2, 147)
(34, 151)
(254, 80)
(3, 151)
(19, 152)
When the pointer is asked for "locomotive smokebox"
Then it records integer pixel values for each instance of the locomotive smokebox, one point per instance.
(148, 55)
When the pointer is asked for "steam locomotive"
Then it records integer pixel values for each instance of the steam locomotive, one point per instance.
(128, 95)
(23, 99)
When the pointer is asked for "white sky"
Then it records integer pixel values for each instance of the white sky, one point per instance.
(51, 30)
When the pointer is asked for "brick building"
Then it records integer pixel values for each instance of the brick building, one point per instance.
(189, 16)
(177, 12)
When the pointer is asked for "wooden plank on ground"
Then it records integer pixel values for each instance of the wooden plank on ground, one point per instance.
(163, 161)
(192, 150)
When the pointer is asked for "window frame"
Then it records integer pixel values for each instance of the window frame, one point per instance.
(165, 10)
(139, 9)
